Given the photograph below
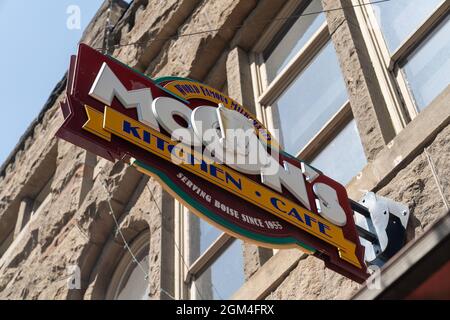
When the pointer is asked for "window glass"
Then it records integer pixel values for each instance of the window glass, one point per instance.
(224, 277)
(398, 19)
(343, 157)
(427, 69)
(311, 100)
(201, 236)
(134, 286)
(300, 32)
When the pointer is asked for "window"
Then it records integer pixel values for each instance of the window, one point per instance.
(398, 19)
(129, 281)
(215, 262)
(302, 93)
(295, 38)
(311, 100)
(201, 236)
(408, 42)
(339, 164)
(427, 69)
(224, 276)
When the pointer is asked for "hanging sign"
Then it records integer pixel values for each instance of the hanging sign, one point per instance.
(212, 155)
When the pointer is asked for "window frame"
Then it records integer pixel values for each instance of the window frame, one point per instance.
(267, 92)
(396, 91)
(123, 269)
(187, 273)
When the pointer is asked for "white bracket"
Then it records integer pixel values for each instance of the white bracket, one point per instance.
(381, 226)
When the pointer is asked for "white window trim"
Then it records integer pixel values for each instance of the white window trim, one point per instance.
(298, 63)
(266, 94)
(396, 92)
(181, 250)
(209, 256)
(186, 273)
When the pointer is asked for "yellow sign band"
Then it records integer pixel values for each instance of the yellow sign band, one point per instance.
(94, 124)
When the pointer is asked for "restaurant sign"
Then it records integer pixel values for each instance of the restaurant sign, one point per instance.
(213, 156)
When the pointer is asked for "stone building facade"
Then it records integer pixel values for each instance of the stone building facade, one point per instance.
(360, 90)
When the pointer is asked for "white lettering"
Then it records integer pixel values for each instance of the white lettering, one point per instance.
(107, 86)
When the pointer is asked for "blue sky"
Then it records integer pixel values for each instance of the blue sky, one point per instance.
(36, 45)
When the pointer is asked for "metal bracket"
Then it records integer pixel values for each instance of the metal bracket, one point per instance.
(381, 224)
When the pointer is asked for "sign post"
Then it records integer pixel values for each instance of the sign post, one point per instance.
(213, 156)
